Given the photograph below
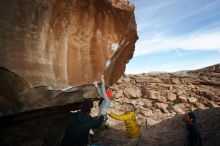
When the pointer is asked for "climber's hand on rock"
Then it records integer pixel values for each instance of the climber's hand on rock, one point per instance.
(102, 78)
(95, 83)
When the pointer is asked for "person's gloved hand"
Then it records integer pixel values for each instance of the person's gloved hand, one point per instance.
(102, 78)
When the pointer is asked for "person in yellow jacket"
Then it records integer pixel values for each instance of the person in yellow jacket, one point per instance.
(132, 127)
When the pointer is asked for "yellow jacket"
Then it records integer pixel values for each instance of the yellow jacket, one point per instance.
(132, 127)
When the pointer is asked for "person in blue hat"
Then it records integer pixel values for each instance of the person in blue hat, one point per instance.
(106, 97)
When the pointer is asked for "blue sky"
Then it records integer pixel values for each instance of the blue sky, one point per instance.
(176, 35)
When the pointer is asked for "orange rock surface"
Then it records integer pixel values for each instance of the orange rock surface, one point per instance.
(47, 46)
(66, 42)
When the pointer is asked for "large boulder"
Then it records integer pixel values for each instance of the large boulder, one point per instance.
(171, 96)
(133, 92)
(61, 44)
(151, 94)
(161, 106)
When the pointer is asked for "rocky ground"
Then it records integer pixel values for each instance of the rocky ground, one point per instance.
(169, 132)
(159, 97)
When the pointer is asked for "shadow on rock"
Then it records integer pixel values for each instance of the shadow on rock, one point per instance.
(46, 128)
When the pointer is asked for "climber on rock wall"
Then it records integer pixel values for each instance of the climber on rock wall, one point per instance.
(132, 127)
(106, 98)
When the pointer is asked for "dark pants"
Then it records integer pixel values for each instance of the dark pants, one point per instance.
(195, 138)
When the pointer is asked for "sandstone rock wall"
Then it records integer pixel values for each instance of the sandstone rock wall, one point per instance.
(59, 44)
(63, 42)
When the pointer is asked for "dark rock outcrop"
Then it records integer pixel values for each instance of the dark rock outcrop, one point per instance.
(36, 128)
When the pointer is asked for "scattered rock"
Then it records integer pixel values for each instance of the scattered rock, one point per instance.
(200, 105)
(118, 94)
(154, 80)
(147, 112)
(126, 80)
(205, 78)
(147, 102)
(150, 122)
(140, 79)
(161, 96)
(162, 99)
(153, 94)
(132, 92)
(216, 98)
(192, 100)
(170, 96)
(120, 81)
(178, 108)
(212, 104)
(182, 99)
(139, 102)
(175, 81)
(162, 106)
(179, 92)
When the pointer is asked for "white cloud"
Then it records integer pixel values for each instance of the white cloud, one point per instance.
(173, 67)
(169, 25)
(194, 41)
(178, 26)
(168, 15)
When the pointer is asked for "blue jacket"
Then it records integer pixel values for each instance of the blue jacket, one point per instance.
(77, 130)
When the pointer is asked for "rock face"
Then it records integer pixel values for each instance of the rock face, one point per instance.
(56, 44)
(168, 94)
(36, 128)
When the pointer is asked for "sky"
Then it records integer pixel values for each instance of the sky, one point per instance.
(175, 35)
